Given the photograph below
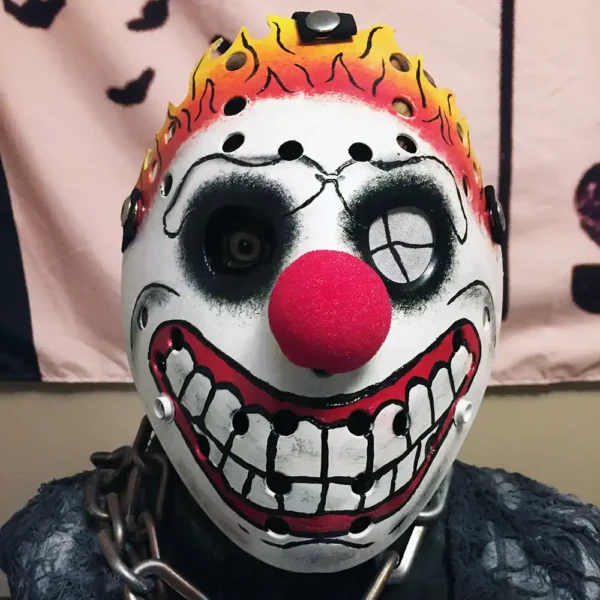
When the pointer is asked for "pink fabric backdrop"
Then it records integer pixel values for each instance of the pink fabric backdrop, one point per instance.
(71, 155)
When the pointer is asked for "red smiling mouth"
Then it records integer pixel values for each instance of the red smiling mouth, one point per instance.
(311, 466)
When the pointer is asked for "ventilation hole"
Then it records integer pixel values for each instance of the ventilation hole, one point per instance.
(362, 484)
(153, 171)
(406, 144)
(236, 61)
(360, 152)
(235, 106)
(161, 362)
(400, 423)
(277, 526)
(204, 446)
(291, 150)
(177, 338)
(285, 422)
(167, 184)
(403, 107)
(465, 183)
(240, 422)
(400, 62)
(361, 524)
(460, 132)
(170, 132)
(279, 483)
(457, 340)
(233, 142)
(359, 423)
(429, 78)
(143, 318)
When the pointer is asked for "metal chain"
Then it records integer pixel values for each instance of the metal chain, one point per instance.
(128, 537)
(128, 528)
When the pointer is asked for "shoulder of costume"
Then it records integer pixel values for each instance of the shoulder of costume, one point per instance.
(48, 549)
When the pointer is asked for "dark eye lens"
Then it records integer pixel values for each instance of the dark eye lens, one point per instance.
(238, 238)
(243, 248)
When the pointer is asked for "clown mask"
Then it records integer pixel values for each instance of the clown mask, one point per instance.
(312, 285)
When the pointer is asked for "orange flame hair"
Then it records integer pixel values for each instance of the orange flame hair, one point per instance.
(370, 67)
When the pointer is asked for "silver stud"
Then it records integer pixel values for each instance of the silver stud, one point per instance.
(164, 409)
(322, 21)
(463, 413)
(125, 210)
(129, 208)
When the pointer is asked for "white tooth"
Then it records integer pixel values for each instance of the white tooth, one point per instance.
(442, 392)
(252, 446)
(259, 494)
(196, 392)
(235, 475)
(299, 454)
(404, 470)
(341, 497)
(347, 453)
(458, 365)
(179, 365)
(419, 411)
(380, 491)
(386, 444)
(303, 498)
(214, 453)
(219, 414)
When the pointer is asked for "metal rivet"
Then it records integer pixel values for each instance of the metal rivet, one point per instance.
(322, 21)
(463, 413)
(164, 409)
(129, 209)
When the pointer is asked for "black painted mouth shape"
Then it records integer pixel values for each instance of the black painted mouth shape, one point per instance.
(298, 471)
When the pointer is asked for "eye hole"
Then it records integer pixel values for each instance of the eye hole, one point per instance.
(238, 239)
(401, 244)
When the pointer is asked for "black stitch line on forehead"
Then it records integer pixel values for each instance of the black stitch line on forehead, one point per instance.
(236, 161)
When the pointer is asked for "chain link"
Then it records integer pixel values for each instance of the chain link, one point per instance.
(128, 535)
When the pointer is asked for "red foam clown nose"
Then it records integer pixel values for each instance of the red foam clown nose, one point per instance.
(329, 311)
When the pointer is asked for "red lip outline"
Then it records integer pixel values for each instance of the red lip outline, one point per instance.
(258, 394)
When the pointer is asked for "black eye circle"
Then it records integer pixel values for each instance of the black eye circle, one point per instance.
(238, 238)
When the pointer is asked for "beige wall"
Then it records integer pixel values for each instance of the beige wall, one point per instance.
(48, 431)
